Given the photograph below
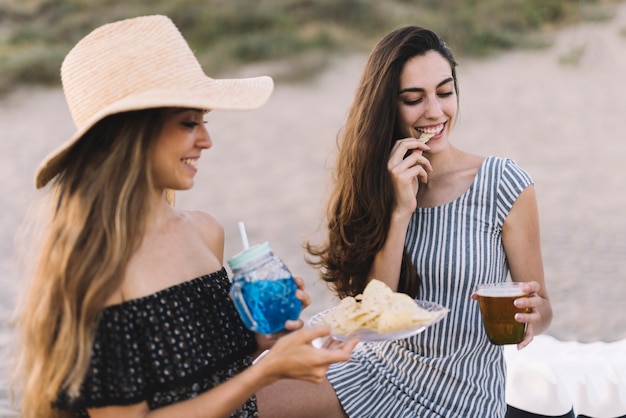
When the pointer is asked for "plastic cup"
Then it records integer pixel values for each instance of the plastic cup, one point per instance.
(498, 311)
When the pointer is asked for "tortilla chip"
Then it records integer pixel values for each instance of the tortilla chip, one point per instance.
(378, 308)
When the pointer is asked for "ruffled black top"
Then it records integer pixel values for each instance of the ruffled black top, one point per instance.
(166, 347)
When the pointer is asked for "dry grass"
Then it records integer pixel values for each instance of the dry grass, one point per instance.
(296, 36)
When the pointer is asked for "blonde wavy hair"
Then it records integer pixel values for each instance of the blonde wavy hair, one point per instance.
(92, 230)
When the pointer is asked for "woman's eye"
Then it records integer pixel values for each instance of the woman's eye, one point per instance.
(412, 102)
(192, 124)
(446, 94)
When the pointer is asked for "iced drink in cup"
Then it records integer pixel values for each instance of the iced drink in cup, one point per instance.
(263, 290)
(498, 311)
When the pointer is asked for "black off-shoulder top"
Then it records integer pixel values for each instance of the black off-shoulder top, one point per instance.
(166, 347)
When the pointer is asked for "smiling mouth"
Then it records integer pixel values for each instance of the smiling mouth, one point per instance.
(434, 130)
(428, 132)
(190, 161)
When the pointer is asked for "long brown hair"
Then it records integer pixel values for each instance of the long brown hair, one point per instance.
(361, 202)
(93, 228)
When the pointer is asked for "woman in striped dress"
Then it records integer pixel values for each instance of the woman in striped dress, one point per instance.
(429, 220)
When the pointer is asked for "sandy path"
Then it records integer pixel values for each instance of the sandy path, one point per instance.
(270, 168)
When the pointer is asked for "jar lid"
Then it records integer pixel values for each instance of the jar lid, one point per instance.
(249, 255)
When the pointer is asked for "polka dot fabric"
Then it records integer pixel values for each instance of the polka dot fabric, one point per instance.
(167, 347)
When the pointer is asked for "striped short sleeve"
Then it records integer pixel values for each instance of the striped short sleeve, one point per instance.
(512, 182)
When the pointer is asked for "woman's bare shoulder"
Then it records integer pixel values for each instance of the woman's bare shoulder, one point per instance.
(209, 228)
(203, 219)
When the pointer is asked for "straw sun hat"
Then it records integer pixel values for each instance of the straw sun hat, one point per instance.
(141, 63)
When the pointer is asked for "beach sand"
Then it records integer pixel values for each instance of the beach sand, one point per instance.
(271, 168)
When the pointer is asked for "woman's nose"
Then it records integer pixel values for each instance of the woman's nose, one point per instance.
(204, 139)
(433, 108)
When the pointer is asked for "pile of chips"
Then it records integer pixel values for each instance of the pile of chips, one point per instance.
(380, 309)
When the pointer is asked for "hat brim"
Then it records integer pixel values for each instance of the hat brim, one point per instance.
(211, 94)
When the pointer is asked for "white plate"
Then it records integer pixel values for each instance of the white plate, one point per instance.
(369, 335)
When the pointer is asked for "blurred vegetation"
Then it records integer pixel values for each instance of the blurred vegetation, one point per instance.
(293, 39)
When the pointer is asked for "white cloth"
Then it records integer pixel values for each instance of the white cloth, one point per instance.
(550, 376)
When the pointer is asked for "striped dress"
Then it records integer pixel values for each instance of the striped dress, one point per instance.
(450, 370)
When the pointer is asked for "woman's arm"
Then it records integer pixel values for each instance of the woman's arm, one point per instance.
(292, 356)
(406, 171)
(388, 260)
(522, 244)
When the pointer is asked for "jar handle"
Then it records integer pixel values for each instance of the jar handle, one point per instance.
(242, 306)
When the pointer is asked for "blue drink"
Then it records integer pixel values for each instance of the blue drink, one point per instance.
(269, 304)
(263, 290)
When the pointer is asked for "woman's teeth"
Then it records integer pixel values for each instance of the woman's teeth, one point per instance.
(190, 161)
(429, 132)
(434, 130)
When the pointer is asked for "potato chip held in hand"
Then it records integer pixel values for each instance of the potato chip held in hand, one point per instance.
(425, 136)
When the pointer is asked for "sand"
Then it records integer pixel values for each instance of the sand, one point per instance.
(271, 168)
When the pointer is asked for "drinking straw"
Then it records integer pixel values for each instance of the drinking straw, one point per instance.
(244, 236)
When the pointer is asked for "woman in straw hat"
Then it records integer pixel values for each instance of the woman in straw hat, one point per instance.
(411, 209)
(128, 312)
